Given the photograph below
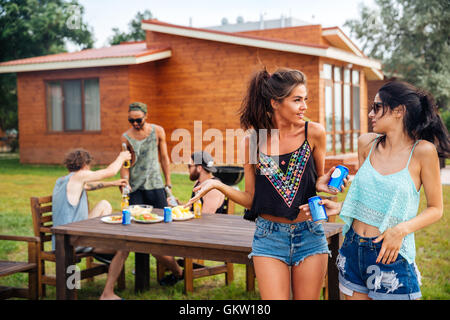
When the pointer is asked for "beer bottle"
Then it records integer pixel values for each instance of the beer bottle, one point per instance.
(172, 201)
(127, 163)
(125, 198)
(198, 209)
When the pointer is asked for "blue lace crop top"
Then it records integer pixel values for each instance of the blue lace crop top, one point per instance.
(383, 201)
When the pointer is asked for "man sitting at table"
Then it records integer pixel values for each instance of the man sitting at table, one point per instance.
(200, 167)
(70, 204)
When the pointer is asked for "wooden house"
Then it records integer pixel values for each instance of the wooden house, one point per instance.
(186, 75)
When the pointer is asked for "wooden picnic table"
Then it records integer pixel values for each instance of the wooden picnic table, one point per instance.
(217, 237)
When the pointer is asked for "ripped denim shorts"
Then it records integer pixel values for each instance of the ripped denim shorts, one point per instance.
(290, 243)
(359, 272)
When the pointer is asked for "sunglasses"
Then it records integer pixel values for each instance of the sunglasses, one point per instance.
(138, 120)
(376, 106)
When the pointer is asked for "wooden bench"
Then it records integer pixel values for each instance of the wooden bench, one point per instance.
(11, 267)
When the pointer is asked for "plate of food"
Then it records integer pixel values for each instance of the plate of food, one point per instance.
(180, 214)
(147, 218)
(139, 209)
(112, 219)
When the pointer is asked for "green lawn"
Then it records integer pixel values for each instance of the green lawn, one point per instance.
(19, 182)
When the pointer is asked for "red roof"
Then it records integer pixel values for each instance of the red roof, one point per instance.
(133, 49)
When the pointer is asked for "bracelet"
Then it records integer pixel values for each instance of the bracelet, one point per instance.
(169, 186)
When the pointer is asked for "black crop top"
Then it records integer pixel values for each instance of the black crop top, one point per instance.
(284, 182)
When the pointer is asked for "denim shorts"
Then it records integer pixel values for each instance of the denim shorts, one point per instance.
(290, 243)
(358, 271)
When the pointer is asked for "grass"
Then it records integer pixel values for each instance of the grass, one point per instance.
(19, 182)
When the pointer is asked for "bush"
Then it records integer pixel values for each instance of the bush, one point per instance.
(445, 115)
(14, 144)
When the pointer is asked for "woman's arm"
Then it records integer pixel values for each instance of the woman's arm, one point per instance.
(332, 208)
(318, 143)
(365, 142)
(244, 198)
(317, 139)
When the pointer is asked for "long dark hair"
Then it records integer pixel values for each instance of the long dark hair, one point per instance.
(256, 110)
(421, 120)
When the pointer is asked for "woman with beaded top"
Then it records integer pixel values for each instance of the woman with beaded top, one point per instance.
(289, 252)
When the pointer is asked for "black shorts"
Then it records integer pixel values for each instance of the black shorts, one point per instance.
(156, 198)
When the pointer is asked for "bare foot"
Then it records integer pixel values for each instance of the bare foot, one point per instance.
(110, 297)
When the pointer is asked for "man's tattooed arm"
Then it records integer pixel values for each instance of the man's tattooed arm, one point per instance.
(90, 186)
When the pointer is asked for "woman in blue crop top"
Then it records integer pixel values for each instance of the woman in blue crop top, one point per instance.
(376, 260)
(287, 170)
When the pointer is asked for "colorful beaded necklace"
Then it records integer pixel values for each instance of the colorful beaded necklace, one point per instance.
(286, 184)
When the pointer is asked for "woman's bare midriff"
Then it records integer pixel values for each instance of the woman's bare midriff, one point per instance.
(365, 230)
(300, 218)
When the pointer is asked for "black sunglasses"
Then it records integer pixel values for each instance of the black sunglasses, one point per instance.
(376, 106)
(138, 120)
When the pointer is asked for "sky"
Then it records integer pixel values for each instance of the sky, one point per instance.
(103, 15)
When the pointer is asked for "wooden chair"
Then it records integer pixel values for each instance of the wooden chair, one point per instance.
(41, 209)
(31, 267)
(190, 273)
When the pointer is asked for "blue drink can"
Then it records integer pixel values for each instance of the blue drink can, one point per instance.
(337, 178)
(167, 214)
(126, 216)
(318, 212)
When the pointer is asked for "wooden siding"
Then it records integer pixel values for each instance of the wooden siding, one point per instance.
(206, 80)
(306, 34)
(202, 81)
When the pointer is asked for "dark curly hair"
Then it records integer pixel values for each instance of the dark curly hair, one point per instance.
(77, 159)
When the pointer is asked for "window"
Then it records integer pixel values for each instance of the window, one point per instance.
(337, 109)
(356, 108)
(327, 71)
(73, 105)
(342, 108)
(329, 115)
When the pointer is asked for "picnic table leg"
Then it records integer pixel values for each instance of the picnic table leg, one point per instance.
(188, 275)
(333, 273)
(142, 269)
(229, 276)
(250, 277)
(33, 276)
(65, 257)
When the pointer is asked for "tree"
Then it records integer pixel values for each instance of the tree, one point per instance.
(30, 28)
(135, 33)
(411, 39)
